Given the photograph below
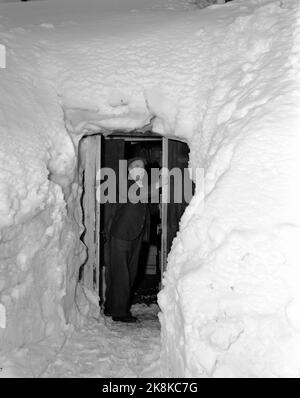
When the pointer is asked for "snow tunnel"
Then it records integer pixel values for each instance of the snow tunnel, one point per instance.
(222, 79)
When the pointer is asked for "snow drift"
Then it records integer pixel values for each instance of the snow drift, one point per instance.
(231, 298)
(224, 78)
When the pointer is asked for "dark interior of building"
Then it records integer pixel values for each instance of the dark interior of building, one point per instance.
(117, 147)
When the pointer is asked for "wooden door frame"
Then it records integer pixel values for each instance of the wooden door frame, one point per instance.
(91, 209)
(93, 270)
(164, 210)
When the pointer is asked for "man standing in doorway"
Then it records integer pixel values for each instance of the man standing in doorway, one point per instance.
(129, 224)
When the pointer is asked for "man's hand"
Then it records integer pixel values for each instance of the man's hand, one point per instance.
(163, 178)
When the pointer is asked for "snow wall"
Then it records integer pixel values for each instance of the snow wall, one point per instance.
(226, 80)
(231, 299)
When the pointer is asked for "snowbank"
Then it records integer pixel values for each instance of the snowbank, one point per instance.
(225, 79)
(231, 298)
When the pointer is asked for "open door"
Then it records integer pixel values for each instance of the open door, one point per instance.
(91, 211)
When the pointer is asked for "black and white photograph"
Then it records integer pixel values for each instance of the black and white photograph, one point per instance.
(149, 192)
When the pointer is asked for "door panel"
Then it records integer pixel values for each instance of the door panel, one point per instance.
(178, 156)
(175, 155)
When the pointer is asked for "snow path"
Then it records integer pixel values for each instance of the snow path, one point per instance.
(109, 349)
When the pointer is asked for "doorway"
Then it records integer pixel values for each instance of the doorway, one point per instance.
(159, 152)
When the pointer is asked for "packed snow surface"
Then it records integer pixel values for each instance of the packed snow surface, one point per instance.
(105, 348)
(226, 80)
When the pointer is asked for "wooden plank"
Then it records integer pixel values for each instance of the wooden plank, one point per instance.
(164, 209)
(97, 265)
(89, 211)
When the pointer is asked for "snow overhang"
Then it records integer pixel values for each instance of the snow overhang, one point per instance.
(81, 122)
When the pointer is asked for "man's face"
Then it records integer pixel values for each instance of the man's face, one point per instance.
(136, 169)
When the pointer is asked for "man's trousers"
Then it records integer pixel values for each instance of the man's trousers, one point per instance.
(122, 270)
